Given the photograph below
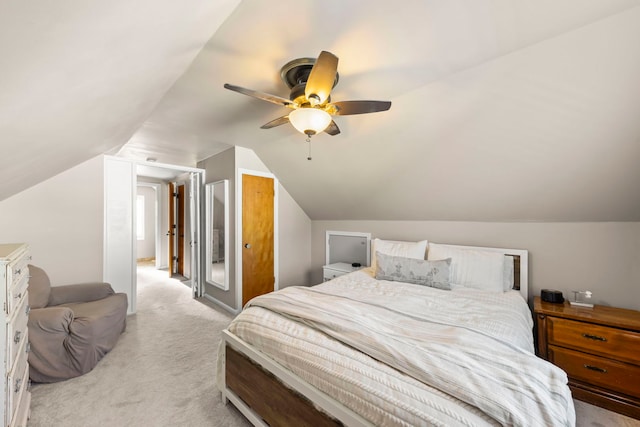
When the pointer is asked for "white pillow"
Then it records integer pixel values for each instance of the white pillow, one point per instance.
(416, 250)
(472, 268)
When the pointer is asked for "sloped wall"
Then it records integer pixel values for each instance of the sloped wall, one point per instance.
(62, 220)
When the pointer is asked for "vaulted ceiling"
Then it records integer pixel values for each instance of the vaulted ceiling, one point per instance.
(503, 110)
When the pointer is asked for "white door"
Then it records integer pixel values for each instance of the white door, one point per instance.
(195, 191)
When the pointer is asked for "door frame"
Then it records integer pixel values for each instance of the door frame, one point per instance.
(239, 174)
(120, 242)
(182, 234)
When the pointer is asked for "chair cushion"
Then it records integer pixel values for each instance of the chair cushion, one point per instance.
(39, 287)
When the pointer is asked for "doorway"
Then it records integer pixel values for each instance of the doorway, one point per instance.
(120, 240)
(177, 242)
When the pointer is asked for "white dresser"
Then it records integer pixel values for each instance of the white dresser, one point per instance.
(14, 278)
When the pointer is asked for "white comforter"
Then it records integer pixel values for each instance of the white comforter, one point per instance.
(470, 353)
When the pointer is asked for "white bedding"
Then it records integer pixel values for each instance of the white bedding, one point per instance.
(456, 340)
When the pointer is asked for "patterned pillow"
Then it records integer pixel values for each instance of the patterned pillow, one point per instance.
(434, 274)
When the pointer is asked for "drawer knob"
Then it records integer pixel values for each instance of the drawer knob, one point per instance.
(595, 368)
(27, 309)
(594, 337)
(16, 337)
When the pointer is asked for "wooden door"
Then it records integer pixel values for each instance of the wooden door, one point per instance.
(180, 229)
(257, 236)
(172, 223)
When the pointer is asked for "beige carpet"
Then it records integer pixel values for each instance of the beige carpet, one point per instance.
(162, 371)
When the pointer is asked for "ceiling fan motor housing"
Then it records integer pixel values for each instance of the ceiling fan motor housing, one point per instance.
(295, 74)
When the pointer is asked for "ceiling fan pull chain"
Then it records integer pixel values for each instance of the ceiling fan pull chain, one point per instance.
(309, 141)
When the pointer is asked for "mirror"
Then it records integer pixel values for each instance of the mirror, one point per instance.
(217, 232)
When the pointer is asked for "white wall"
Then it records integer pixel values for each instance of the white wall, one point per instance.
(146, 248)
(295, 242)
(601, 257)
(62, 220)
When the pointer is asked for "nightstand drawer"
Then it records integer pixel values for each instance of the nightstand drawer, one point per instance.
(331, 271)
(615, 343)
(329, 274)
(598, 371)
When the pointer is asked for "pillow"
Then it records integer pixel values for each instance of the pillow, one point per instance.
(507, 273)
(415, 250)
(472, 268)
(434, 274)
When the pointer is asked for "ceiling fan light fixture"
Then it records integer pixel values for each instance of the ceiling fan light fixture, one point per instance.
(309, 121)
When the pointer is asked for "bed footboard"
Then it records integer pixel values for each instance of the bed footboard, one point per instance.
(265, 395)
(269, 395)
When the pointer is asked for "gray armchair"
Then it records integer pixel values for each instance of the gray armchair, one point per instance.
(71, 327)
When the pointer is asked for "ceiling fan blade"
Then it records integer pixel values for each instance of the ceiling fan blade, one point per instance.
(332, 129)
(276, 122)
(274, 99)
(346, 108)
(322, 78)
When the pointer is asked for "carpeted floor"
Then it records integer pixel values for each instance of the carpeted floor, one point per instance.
(162, 371)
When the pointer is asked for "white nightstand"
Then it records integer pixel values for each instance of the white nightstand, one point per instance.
(331, 271)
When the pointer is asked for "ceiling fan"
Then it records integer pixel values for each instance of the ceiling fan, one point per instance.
(311, 81)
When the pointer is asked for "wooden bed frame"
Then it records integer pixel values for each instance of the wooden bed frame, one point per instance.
(268, 394)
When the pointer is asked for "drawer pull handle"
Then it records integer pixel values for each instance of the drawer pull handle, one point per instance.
(16, 338)
(594, 337)
(27, 309)
(18, 385)
(595, 368)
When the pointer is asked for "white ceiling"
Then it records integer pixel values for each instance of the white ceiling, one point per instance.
(503, 110)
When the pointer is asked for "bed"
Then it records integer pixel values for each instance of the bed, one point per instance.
(430, 334)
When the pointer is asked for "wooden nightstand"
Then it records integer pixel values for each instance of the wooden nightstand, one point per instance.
(598, 348)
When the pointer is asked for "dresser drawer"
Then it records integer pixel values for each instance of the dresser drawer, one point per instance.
(598, 371)
(17, 381)
(21, 416)
(16, 293)
(18, 270)
(610, 342)
(17, 330)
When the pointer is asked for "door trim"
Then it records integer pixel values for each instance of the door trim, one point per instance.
(239, 173)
